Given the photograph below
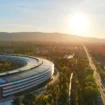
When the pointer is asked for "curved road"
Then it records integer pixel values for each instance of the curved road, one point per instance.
(70, 87)
(96, 75)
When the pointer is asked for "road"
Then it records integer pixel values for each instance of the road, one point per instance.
(55, 77)
(70, 87)
(96, 75)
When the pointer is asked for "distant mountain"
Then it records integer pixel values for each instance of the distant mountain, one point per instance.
(45, 37)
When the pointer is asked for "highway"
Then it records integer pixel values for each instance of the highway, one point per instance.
(96, 76)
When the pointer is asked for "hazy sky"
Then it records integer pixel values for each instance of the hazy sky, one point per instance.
(51, 15)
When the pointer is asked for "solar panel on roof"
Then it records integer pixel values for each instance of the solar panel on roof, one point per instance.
(26, 74)
(11, 78)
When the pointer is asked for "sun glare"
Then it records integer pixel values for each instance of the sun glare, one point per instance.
(78, 24)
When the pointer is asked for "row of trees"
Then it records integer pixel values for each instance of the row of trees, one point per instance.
(98, 55)
(84, 88)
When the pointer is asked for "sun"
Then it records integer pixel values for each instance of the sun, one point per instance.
(78, 24)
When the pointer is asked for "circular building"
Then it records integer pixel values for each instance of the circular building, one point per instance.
(34, 72)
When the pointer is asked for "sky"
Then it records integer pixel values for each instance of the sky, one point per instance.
(51, 16)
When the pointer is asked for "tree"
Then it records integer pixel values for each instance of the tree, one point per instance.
(90, 94)
(29, 99)
(16, 101)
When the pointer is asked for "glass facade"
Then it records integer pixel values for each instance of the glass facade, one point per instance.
(27, 83)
